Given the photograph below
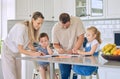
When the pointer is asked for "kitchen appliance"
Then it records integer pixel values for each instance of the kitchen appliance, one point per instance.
(117, 38)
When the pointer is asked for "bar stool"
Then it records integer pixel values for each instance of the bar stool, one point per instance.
(36, 72)
(84, 77)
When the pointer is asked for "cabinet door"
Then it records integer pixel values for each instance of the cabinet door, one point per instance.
(36, 5)
(89, 9)
(81, 8)
(22, 9)
(113, 10)
(68, 6)
(57, 9)
(109, 73)
(63, 6)
(1, 74)
(96, 9)
(49, 9)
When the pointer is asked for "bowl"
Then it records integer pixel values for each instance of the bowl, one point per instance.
(111, 57)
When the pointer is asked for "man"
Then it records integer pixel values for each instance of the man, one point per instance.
(67, 38)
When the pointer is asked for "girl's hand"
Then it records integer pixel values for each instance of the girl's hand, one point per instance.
(74, 51)
(80, 52)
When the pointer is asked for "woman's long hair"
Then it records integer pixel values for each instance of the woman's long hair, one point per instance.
(32, 33)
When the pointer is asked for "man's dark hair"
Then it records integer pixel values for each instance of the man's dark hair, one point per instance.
(43, 35)
(64, 17)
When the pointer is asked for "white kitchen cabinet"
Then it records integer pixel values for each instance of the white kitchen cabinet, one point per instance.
(112, 9)
(49, 9)
(25, 8)
(29, 69)
(90, 9)
(109, 73)
(22, 9)
(1, 74)
(63, 6)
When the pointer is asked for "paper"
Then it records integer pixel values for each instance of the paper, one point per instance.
(57, 56)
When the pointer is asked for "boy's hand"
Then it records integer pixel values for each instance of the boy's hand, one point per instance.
(42, 54)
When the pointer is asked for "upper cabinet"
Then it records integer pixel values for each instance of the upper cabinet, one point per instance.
(22, 9)
(88, 9)
(25, 8)
(51, 9)
(112, 9)
(61, 6)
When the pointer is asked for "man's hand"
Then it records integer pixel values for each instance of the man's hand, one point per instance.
(61, 51)
(69, 51)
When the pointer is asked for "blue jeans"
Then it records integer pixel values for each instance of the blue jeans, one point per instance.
(65, 70)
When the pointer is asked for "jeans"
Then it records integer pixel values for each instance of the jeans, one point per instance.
(65, 70)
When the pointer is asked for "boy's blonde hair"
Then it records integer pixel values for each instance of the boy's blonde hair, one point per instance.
(97, 32)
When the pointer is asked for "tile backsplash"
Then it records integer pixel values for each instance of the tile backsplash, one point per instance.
(105, 26)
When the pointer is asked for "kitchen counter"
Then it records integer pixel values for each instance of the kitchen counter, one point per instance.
(77, 60)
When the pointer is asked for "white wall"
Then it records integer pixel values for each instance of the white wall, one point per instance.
(0, 20)
(4, 19)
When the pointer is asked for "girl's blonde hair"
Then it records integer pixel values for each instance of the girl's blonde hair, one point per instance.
(32, 33)
(97, 32)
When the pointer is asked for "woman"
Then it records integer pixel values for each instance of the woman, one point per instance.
(22, 35)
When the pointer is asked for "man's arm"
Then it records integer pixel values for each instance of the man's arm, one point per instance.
(59, 48)
(79, 43)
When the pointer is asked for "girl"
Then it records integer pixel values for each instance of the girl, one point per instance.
(46, 50)
(21, 35)
(91, 48)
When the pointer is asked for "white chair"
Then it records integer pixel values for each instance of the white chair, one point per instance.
(84, 77)
(36, 72)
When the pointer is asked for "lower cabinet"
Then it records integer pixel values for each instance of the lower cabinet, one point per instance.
(104, 72)
(29, 69)
(1, 75)
(109, 73)
(28, 66)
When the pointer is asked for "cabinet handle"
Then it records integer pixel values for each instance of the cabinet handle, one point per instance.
(52, 16)
(84, 15)
(29, 15)
(88, 15)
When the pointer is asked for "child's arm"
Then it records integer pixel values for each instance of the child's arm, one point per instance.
(49, 50)
(91, 52)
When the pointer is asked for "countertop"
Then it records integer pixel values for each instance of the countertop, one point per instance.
(77, 60)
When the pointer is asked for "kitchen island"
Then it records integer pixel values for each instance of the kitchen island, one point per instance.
(77, 60)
